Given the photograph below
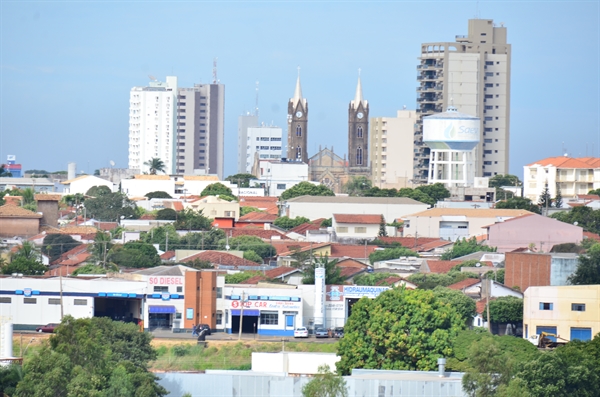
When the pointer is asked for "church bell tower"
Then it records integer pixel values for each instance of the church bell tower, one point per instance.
(297, 126)
(358, 130)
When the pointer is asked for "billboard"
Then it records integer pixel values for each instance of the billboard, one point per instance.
(451, 133)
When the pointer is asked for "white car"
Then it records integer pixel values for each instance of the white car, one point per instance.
(301, 332)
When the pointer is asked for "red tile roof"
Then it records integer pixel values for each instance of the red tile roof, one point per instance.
(281, 271)
(303, 228)
(441, 266)
(568, 162)
(592, 236)
(107, 225)
(12, 211)
(348, 272)
(349, 262)
(220, 258)
(255, 279)
(258, 217)
(250, 231)
(480, 305)
(74, 256)
(464, 284)
(289, 248)
(358, 218)
(168, 255)
(351, 251)
(409, 242)
(149, 217)
(267, 204)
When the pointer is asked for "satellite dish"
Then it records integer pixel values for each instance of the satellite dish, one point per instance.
(112, 163)
(575, 223)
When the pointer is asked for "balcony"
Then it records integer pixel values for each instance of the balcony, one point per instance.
(461, 38)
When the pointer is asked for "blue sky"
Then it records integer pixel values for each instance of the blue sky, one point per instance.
(67, 68)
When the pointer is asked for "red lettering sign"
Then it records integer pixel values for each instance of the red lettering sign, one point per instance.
(165, 281)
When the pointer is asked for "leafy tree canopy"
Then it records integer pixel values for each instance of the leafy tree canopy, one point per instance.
(432, 280)
(498, 181)
(357, 185)
(506, 309)
(326, 223)
(588, 268)
(188, 219)
(201, 240)
(158, 235)
(97, 191)
(242, 180)
(166, 214)
(111, 207)
(4, 173)
(158, 194)
(370, 279)
(247, 243)
(464, 305)
(306, 189)
(325, 384)
(246, 210)
(586, 217)
(29, 267)
(401, 329)
(134, 254)
(390, 253)
(287, 223)
(377, 192)
(437, 191)
(253, 256)
(216, 189)
(240, 277)
(156, 165)
(464, 247)
(92, 357)
(332, 271)
(54, 245)
(519, 203)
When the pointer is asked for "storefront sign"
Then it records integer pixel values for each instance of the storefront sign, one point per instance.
(335, 293)
(334, 306)
(355, 291)
(165, 280)
(265, 305)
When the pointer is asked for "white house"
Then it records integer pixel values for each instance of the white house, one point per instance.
(356, 226)
(83, 183)
(278, 176)
(175, 185)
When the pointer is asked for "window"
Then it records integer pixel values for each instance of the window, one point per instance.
(161, 289)
(360, 229)
(5, 299)
(179, 289)
(489, 107)
(489, 74)
(488, 62)
(359, 132)
(80, 302)
(177, 316)
(30, 301)
(298, 130)
(269, 318)
(578, 307)
(546, 306)
(488, 129)
(276, 139)
(219, 292)
(489, 85)
(219, 317)
(488, 96)
(488, 118)
(281, 186)
(262, 138)
(340, 229)
(54, 301)
(298, 152)
(359, 156)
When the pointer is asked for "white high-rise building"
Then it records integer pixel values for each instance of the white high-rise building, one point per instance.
(152, 112)
(263, 142)
(244, 122)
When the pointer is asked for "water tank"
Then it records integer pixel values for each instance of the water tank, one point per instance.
(451, 130)
(71, 171)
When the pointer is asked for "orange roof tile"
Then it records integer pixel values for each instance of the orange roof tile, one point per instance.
(348, 272)
(441, 266)
(358, 218)
(255, 279)
(12, 211)
(168, 255)
(13, 200)
(281, 271)
(258, 217)
(464, 284)
(153, 177)
(412, 243)
(303, 228)
(351, 251)
(267, 204)
(480, 305)
(260, 233)
(568, 162)
(349, 262)
(48, 197)
(220, 258)
(592, 236)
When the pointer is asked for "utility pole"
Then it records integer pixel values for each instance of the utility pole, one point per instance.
(61, 297)
(241, 316)
(487, 302)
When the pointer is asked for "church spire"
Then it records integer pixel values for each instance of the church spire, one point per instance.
(358, 97)
(298, 92)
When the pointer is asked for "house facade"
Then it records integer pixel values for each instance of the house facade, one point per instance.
(529, 269)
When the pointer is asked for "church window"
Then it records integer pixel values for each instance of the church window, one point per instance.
(359, 156)
(359, 132)
(298, 152)
(298, 130)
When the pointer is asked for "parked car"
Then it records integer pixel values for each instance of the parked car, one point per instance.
(47, 328)
(301, 332)
(338, 332)
(204, 327)
(321, 333)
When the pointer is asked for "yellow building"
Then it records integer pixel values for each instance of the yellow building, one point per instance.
(571, 311)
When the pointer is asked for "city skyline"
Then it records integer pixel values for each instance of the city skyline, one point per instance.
(72, 67)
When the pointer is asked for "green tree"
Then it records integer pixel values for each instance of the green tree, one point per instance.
(586, 217)
(253, 256)
(588, 268)
(27, 250)
(101, 247)
(558, 200)
(287, 223)
(158, 195)
(415, 194)
(188, 219)
(382, 229)
(198, 264)
(240, 277)
(10, 376)
(377, 192)
(166, 214)
(110, 207)
(370, 279)
(432, 280)
(464, 247)
(95, 269)
(390, 253)
(242, 180)
(357, 185)
(437, 191)
(246, 210)
(72, 200)
(519, 203)
(97, 191)
(325, 384)
(464, 305)
(401, 329)
(306, 189)
(56, 244)
(545, 200)
(332, 271)
(249, 243)
(326, 223)
(489, 371)
(92, 357)
(216, 189)
(204, 240)
(4, 173)
(29, 267)
(134, 254)
(506, 309)
(156, 165)
(499, 181)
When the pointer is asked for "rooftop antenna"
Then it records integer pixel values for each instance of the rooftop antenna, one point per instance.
(564, 150)
(477, 10)
(215, 70)
(256, 102)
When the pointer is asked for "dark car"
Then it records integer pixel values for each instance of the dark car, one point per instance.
(321, 333)
(205, 328)
(47, 328)
(338, 332)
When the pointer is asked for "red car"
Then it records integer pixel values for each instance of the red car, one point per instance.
(47, 328)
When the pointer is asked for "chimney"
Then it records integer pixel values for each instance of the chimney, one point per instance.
(442, 367)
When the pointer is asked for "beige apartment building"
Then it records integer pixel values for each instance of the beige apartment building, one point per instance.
(473, 75)
(393, 169)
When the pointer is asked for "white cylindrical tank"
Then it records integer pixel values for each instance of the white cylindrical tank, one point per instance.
(7, 342)
(71, 171)
(451, 130)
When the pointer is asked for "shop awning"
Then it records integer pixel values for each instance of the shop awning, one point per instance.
(247, 312)
(161, 309)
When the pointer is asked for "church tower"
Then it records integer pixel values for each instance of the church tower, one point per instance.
(297, 126)
(358, 130)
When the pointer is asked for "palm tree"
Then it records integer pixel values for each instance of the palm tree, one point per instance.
(156, 165)
(27, 251)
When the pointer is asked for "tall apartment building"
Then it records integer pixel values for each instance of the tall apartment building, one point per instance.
(393, 168)
(245, 121)
(263, 142)
(152, 112)
(473, 75)
(201, 130)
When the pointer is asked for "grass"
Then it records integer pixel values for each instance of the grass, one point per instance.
(225, 355)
